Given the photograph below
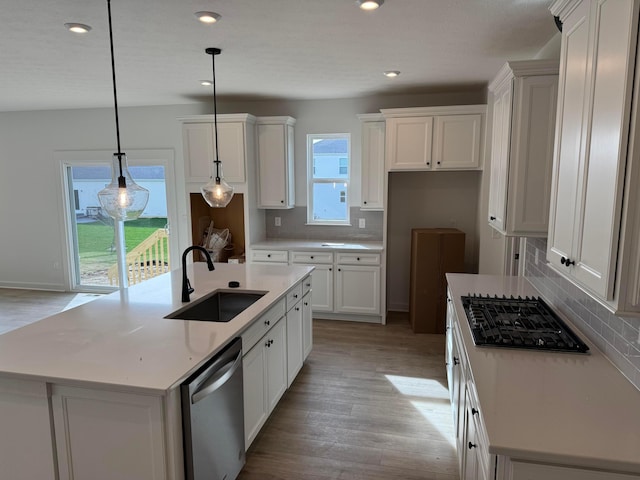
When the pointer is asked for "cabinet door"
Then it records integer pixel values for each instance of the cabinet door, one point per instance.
(199, 151)
(254, 371)
(457, 142)
(409, 143)
(231, 151)
(275, 166)
(372, 165)
(276, 360)
(197, 142)
(500, 157)
(295, 347)
(358, 289)
(108, 435)
(570, 138)
(322, 287)
(526, 471)
(596, 246)
(307, 325)
(26, 450)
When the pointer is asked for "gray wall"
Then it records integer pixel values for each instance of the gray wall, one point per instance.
(617, 337)
(33, 252)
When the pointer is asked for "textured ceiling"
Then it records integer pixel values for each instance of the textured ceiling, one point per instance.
(294, 49)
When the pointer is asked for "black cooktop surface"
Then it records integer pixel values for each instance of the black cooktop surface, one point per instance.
(519, 323)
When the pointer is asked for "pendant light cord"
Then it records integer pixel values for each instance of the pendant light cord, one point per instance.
(215, 116)
(121, 179)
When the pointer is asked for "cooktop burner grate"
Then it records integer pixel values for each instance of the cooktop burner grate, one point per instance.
(518, 323)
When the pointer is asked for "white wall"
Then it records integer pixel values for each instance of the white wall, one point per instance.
(32, 246)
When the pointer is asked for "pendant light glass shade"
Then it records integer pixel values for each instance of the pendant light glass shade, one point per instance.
(122, 199)
(217, 193)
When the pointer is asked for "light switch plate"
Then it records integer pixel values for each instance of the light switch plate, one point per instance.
(278, 221)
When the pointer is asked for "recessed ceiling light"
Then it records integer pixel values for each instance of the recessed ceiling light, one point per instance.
(206, 83)
(369, 4)
(391, 73)
(77, 27)
(208, 17)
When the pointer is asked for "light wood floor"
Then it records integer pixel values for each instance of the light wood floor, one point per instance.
(370, 404)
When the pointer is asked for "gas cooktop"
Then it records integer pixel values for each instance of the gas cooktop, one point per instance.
(519, 323)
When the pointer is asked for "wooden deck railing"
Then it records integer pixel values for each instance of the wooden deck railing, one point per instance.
(149, 259)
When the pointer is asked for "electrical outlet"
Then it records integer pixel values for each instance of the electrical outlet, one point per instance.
(536, 257)
(361, 223)
(278, 221)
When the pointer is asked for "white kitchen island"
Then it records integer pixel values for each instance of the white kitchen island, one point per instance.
(536, 415)
(92, 393)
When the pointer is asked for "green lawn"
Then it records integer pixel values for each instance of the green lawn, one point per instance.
(96, 242)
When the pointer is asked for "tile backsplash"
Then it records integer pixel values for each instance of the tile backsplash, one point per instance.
(617, 337)
(294, 225)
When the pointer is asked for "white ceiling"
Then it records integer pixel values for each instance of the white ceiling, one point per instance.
(294, 49)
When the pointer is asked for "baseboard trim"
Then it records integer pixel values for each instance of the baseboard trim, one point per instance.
(51, 287)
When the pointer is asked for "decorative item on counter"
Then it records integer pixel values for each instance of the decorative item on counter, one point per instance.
(217, 192)
(123, 199)
(215, 240)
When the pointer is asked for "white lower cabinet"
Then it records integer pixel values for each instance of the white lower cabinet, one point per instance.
(24, 419)
(358, 289)
(108, 435)
(264, 369)
(295, 346)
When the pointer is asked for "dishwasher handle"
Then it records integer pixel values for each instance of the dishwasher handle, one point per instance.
(219, 378)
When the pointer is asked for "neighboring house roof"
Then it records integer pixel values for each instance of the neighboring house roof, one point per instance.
(104, 173)
(331, 145)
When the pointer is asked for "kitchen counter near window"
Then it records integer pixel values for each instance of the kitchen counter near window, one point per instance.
(554, 408)
(332, 245)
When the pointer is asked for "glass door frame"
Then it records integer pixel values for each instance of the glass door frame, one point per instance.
(87, 158)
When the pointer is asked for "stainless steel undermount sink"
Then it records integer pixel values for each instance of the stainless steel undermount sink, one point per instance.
(219, 306)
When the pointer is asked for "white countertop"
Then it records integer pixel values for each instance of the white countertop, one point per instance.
(123, 340)
(563, 408)
(333, 245)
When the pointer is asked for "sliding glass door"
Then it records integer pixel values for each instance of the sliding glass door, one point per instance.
(91, 233)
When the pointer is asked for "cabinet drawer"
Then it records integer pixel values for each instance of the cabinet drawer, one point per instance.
(312, 257)
(293, 296)
(262, 325)
(275, 256)
(359, 258)
(306, 285)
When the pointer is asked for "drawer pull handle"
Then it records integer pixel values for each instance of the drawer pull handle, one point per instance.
(472, 445)
(365, 202)
(456, 361)
(492, 218)
(474, 411)
(331, 269)
(297, 309)
(268, 255)
(295, 295)
(307, 284)
(306, 304)
(438, 162)
(267, 323)
(358, 258)
(311, 257)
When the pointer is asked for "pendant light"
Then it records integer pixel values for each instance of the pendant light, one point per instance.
(217, 193)
(123, 199)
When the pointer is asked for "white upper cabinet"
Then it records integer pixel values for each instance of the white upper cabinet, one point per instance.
(373, 133)
(198, 140)
(276, 181)
(591, 224)
(524, 112)
(456, 142)
(434, 138)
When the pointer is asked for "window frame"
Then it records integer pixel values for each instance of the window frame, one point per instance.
(311, 181)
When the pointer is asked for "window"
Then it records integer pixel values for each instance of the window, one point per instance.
(328, 162)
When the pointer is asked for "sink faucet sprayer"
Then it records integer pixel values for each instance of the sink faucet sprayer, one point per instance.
(186, 286)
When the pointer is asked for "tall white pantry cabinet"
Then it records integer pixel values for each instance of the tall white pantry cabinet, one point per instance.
(594, 216)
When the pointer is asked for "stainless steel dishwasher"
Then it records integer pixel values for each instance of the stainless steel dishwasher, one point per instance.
(213, 418)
